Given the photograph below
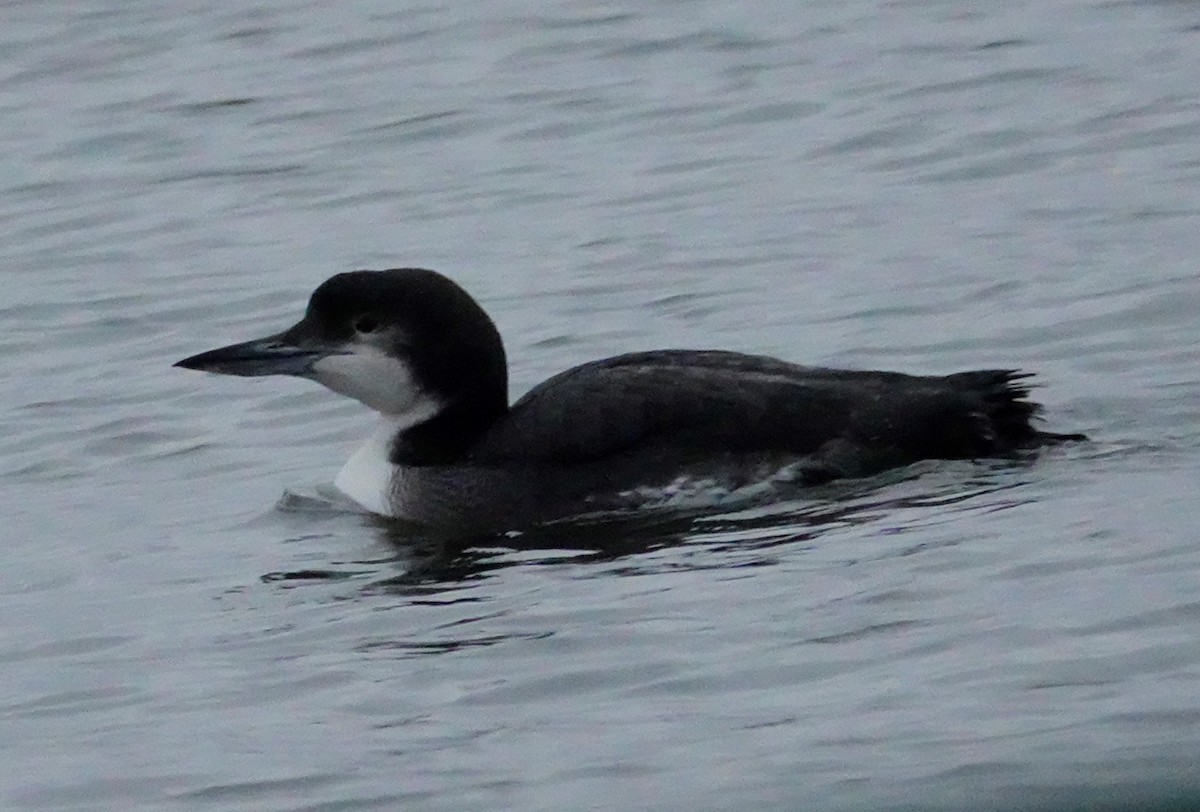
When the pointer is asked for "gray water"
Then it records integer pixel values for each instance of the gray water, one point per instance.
(186, 623)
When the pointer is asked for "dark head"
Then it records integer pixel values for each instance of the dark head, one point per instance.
(407, 342)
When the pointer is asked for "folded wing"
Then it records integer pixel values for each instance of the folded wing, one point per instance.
(854, 422)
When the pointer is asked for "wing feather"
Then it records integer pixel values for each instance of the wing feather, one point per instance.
(724, 402)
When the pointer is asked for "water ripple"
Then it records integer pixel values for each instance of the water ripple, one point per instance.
(918, 184)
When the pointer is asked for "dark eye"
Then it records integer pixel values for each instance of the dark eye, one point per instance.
(366, 324)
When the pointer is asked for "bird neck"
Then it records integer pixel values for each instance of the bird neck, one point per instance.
(446, 437)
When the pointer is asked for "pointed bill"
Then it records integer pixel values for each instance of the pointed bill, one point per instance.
(273, 355)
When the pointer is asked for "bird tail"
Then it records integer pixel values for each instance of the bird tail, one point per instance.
(1011, 415)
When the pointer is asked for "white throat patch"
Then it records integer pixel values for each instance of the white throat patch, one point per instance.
(387, 384)
(371, 376)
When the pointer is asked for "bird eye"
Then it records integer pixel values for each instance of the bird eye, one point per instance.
(366, 324)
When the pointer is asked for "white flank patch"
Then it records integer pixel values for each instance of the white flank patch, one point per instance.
(701, 491)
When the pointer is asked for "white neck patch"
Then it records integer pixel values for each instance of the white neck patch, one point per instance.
(385, 383)
(368, 475)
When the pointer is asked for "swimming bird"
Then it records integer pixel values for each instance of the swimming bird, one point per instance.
(620, 432)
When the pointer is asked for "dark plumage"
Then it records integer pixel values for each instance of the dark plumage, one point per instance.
(586, 438)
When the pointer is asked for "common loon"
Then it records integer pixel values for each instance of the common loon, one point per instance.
(449, 450)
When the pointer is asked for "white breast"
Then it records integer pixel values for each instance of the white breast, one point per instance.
(368, 477)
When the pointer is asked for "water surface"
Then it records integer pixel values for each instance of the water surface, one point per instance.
(925, 185)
